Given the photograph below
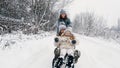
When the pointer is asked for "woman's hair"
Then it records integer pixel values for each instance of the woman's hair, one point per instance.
(63, 18)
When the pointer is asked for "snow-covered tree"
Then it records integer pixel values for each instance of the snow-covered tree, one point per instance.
(32, 14)
(88, 24)
(91, 25)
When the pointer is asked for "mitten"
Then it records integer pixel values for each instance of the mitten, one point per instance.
(56, 40)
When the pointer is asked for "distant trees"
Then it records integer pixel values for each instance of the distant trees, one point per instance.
(88, 24)
(91, 25)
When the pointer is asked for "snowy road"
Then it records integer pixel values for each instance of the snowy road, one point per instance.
(96, 53)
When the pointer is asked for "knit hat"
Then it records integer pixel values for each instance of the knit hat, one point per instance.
(62, 12)
(62, 27)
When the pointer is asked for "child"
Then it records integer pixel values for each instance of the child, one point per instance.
(66, 44)
(62, 28)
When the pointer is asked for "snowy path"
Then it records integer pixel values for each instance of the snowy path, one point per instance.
(96, 53)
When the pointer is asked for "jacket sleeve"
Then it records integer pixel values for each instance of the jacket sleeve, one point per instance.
(70, 23)
(56, 27)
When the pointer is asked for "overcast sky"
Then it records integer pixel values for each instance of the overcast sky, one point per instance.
(109, 9)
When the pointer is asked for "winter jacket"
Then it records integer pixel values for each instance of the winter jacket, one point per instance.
(65, 42)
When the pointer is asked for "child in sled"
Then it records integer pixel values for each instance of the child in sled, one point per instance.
(66, 44)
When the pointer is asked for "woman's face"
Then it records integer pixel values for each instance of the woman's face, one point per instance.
(63, 15)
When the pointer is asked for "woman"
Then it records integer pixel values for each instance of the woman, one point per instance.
(63, 20)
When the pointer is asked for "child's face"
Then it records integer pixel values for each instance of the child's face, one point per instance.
(62, 30)
(67, 33)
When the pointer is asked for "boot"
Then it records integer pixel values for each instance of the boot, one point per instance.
(59, 62)
(77, 55)
(70, 61)
(57, 52)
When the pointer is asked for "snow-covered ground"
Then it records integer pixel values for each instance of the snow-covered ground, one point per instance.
(38, 53)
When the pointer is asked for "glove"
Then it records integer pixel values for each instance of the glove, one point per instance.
(74, 41)
(56, 40)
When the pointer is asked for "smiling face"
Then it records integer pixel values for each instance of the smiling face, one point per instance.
(67, 33)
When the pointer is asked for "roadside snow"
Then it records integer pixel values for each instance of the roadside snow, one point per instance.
(10, 40)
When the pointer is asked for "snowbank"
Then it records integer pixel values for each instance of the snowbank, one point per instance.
(16, 38)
